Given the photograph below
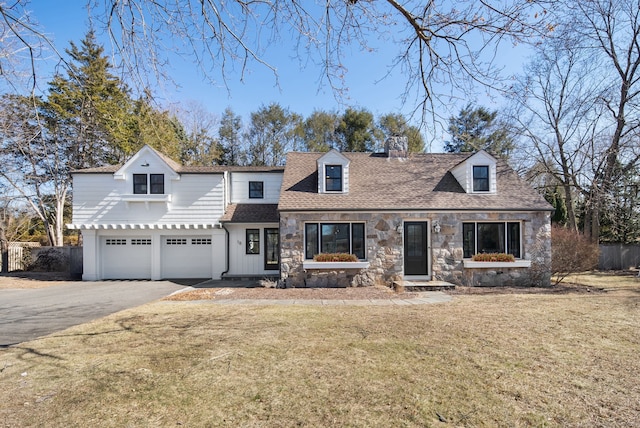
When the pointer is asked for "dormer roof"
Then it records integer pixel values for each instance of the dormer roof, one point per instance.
(333, 162)
(148, 157)
(464, 171)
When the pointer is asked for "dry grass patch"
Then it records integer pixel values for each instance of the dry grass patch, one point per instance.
(482, 360)
(22, 280)
(606, 279)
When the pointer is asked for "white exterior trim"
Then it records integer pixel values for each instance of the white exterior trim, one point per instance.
(333, 157)
(463, 172)
(310, 264)
(470, 264)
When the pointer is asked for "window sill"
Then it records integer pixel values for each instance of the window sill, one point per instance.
(334, 265)
(146, 198)
(470, 264)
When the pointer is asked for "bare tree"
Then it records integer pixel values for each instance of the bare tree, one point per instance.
(578, 104)
(556, 111)
(34, 163)
(612, 28)
(22, 45)
(439, 44)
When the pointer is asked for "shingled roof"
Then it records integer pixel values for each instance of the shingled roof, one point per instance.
(419, 182)
(251, 213)
(215, 169)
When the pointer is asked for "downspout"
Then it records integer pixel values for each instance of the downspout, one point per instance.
(227, 192)
(226, 249)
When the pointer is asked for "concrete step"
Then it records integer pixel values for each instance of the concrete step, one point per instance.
(423, 285)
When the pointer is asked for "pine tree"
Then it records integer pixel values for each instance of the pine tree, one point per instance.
(478, 129)
(90, 108)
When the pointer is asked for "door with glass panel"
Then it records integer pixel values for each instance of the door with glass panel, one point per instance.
(416, 248)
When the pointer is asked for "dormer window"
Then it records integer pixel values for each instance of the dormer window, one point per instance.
(256, 190)
(333, 178)
(480, 178)
(148, 184)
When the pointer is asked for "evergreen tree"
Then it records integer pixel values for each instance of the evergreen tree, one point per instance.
(89, 108)
(158, 129)
(554, 197)
(396, 124)
(357, 131)
(478, 129)
(229, 139)
(271, 135)
(320, 131)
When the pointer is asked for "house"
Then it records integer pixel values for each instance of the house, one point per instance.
(405, 217)
(410, 217)
(152, 218)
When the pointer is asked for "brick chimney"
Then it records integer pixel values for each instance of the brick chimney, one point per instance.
(396, 146)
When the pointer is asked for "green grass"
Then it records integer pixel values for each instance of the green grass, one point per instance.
(481, 360)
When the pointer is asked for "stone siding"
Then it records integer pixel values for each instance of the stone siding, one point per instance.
(384, 249)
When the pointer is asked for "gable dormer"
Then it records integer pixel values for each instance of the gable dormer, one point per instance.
(148, 176)
(333, 173)
(477, 173)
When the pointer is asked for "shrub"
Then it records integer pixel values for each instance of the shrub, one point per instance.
(493, 257)
(335, 257)
(571, 252)
(52, 259)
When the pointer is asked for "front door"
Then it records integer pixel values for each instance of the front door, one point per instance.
(416, 255)
(271, 249)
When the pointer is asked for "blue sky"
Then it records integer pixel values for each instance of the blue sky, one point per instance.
(299, 90)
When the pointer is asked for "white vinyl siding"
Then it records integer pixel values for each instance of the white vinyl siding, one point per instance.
(195, 198)
(241, 263)
(240, 187)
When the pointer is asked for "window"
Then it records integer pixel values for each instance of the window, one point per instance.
(491, 238)
(253, 241)
(334, 238)
(116, 242)
(176, 241)
(481, 178)
(256, 190)
(200, 241)
(141, 242)
(140, 184)
(333, 178)
(271, 249)
(157, 184)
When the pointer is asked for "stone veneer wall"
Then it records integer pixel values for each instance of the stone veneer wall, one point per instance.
(384, 249)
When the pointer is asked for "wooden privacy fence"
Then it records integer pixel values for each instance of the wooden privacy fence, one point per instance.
(619, 256)
(17, 251)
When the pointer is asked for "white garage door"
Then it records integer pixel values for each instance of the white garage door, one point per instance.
(186, 256)
(126, 257)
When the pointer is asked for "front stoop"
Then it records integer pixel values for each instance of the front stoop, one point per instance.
(422, 285)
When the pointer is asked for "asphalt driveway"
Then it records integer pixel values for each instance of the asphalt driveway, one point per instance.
(26, 314)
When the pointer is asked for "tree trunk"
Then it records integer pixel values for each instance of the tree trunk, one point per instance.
(571, 213)
(4, 250)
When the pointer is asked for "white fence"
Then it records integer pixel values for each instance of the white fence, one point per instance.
(619, 256)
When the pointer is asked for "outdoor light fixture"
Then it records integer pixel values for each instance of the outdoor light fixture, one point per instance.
(436, 226)
(145, 164)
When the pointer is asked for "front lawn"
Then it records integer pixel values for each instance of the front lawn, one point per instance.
(482, 360)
